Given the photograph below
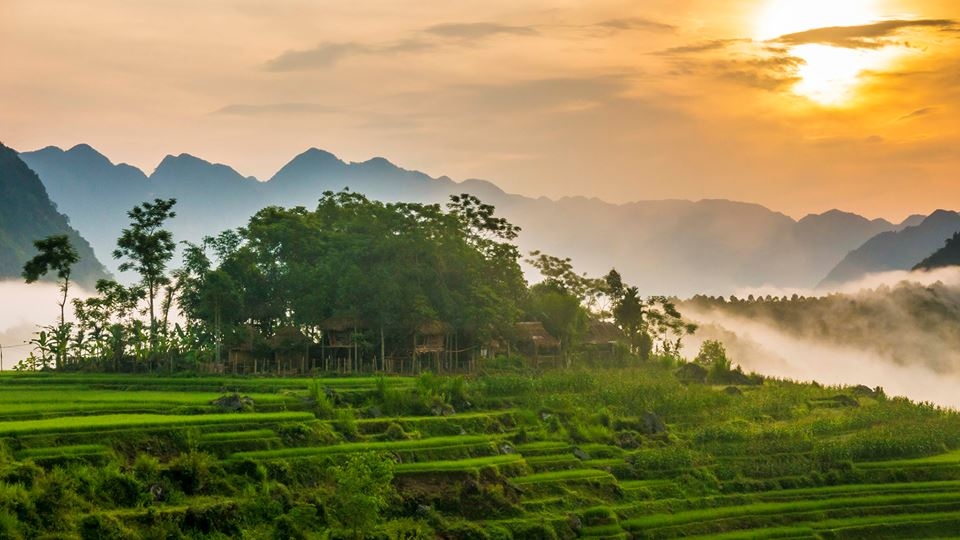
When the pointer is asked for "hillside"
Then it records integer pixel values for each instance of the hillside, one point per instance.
(710, 246)
(896, 250)
(564, 454)
(948, 255)
(27, 214)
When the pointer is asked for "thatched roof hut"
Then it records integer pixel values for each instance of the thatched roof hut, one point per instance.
(431, 337)
(535, 333)
(287, 337)
(603, 333)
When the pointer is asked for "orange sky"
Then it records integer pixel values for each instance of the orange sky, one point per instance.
(799, 105)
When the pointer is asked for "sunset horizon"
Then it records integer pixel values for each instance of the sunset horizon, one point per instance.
(800, 107)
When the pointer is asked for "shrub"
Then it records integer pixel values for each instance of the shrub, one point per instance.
(363, 485)
(346, 424)
(194, 471)
(395, 432)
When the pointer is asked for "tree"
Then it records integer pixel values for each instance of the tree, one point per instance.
(56, 254)
(148, 247)
(363, 485)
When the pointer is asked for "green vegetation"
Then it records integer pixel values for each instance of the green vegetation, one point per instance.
(612, 453)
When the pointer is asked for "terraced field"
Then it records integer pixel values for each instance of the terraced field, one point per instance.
(619, 454)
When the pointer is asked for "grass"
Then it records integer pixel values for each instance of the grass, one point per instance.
(473, 464)
(60, 451)
(127, 421)
(433, 443)
(780, 510)
(949, 458)
(573, 475)
(227, 436)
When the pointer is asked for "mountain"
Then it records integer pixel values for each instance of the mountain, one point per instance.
(896, 250)
(948, 255)
(665, 247)
(27, 214)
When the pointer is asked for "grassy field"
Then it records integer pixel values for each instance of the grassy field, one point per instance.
(629, 453)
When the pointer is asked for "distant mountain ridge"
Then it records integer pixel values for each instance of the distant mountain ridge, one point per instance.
(27, 214)
(948, 255)
(665, 247)
(896, 250)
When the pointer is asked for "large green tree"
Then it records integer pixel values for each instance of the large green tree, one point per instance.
(146, 247)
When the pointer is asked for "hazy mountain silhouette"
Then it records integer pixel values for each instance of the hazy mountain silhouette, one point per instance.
(670, 246)
(896, 250)
(27, 214)
(948, 255)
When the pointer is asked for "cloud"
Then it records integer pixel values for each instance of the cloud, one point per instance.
(636, 23)
(867, 36)
(926, 111)
(479, 30)
(741, 61)
(328, 54)
(321, 56)
(704, 46)
(241, 109)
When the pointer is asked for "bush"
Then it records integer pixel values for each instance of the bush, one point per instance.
(194, 471)
(346, 424)
(395, 432)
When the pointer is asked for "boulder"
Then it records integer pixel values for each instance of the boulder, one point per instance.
(580, 454)
(652, 423)
(733, 391)
(691, 373)
(234, 403)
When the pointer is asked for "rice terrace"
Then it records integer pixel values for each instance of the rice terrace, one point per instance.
(610, 453)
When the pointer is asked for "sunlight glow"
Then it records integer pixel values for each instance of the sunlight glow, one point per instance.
(781, 17)
(829, 75)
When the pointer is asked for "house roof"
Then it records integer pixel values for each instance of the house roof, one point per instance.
(534, 332)
(433, 328)
(343, 323)
(603, 332)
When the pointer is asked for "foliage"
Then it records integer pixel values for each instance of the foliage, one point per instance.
(362, 491)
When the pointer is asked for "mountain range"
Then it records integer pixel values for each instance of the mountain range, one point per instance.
(896, 250)
(665, 247)
(28, 214)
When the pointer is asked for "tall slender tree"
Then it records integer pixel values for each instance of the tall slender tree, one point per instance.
(56, 254)
(147, 248)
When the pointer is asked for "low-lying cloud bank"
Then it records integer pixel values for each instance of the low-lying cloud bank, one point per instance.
(23, 308)
(898, 330)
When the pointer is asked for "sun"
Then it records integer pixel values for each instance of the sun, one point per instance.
(829, 75)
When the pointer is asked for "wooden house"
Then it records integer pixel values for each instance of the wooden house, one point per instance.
(291, 349)
(431, 343)
(241, 358)
(602, 340)
(535, 342)
(339, 347)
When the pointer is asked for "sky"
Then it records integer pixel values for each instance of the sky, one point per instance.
(802, 106)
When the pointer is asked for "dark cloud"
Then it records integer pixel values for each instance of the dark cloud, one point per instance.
(321, 56)
(327, 54)
(926, 111)
(636, 23)
(704, 46)
(478, 30)
(757, 65)
(867, 36)
(274, 108)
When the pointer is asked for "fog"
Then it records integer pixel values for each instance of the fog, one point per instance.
(948, 276)
(889, 346)
(22, 309)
